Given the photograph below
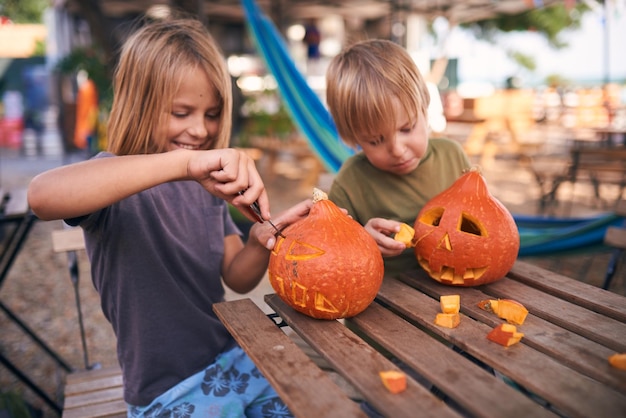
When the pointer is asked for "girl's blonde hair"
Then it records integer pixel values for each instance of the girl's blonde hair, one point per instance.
(362, 83)
(153, 62)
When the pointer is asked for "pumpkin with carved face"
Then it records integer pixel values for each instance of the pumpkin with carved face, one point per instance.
(464, 236)
(327, 266)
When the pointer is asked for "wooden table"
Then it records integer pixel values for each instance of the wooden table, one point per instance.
(560, 366)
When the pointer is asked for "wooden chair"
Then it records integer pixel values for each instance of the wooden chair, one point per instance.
(71, 240)
(615, 237)
(94, 391)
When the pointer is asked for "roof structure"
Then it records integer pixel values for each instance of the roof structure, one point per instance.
(458, 11)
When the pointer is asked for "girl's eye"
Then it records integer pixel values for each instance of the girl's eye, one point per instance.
(408, 129)
(213, 115)
(179, 114)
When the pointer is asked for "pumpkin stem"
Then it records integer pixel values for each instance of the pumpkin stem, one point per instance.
(319, 195)
(476, 167)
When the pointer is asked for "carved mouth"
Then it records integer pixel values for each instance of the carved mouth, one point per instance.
(447, 274)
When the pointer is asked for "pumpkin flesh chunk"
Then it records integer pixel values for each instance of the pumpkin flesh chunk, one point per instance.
(394, 380)
(505, 334)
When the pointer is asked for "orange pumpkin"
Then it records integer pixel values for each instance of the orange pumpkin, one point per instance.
(464, 236)
(327, 266)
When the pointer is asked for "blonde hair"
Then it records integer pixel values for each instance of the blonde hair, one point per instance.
(362, 83)
(153, 62)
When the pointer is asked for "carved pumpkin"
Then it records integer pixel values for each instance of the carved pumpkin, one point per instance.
(464, 236)
(327, 266)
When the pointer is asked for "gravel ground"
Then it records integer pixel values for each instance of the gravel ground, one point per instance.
(38, 288)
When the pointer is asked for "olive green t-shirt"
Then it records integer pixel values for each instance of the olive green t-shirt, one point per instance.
(367, 192)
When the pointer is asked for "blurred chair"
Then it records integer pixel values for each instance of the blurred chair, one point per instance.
(71, 240)
(615, 237)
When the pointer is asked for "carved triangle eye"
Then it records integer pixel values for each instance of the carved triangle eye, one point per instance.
(470, 225)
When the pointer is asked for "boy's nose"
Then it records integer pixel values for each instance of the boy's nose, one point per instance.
(397, 148)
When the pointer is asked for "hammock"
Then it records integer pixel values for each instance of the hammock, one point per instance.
(539, 235)
(301, 102)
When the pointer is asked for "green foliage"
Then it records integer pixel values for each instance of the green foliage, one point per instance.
(91, 60)
(263, 121)
(523, 60)
(24, 11)
(13, 405)
(547, 21)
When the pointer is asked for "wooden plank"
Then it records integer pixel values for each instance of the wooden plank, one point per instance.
(575, 394)
(573, 350)
(615, 237)
(579, 293)
(360, 364)
(91, 385)
(86, 375)
(312, 393)
(471, 386)
(90, 398)
(69, 239)
(116, 409)
(593, 325)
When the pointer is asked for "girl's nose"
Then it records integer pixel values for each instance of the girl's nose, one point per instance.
(198, 128)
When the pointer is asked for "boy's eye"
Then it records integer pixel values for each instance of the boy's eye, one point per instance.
(375, 141)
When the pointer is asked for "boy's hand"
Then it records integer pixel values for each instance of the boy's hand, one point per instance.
(383, 230)
(266, 235)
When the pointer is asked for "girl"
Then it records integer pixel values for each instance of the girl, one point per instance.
(158, 243)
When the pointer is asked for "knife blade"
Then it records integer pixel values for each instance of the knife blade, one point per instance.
(255, 209)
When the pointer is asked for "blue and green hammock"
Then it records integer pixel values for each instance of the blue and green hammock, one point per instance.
(539, 235)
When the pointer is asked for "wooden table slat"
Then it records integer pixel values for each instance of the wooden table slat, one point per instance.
(360, 364)
(579, 293)
(572, 392)
(471, 386)
(593, 325)
(280, 359)
(567, 347)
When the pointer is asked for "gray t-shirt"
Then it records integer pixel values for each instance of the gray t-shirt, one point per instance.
(156, 261)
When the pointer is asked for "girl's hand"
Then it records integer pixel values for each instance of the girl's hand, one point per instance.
(265, 235)
(382, 230)
(227, 172)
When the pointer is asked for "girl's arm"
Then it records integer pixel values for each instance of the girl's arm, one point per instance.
(82, 188)
(244, 266)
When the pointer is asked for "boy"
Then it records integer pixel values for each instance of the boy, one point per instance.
(378, 100)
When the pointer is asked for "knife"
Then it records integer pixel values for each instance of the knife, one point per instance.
(256, 211)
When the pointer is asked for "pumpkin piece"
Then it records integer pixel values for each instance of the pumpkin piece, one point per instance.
(448, 320)
(618, 360)
(450, 303)
(405, 235)
(464, 236)
(327, 265)
(508, 309)
(505, 334)
(394, 380)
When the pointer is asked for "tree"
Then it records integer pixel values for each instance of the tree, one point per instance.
(549, 21)
(24, 11)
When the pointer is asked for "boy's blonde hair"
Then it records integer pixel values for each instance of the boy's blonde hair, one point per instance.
(362, 83)
(153, 62)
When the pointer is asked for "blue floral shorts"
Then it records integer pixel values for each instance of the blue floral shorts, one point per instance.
(231, 387)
